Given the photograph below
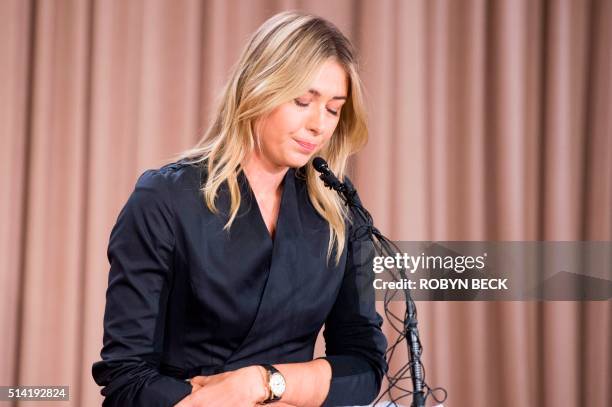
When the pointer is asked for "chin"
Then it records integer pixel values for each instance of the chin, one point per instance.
(297, 164)
(298, 160)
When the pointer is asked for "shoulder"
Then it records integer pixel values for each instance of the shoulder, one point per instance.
(166, 189)
(171, 178)
(151, 208)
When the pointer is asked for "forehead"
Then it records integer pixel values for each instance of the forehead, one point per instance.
(330, 80)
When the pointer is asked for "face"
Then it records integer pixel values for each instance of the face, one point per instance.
(295, 131)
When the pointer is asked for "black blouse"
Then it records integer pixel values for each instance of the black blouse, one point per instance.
(187, 298)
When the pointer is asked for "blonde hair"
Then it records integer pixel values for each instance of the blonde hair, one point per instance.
(276, 66)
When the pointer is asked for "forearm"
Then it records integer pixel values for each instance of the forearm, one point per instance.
(307, 384)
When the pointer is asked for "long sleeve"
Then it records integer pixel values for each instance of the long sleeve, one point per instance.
(140, 254)
(355, 344)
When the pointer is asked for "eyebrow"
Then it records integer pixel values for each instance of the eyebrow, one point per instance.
(317, 93)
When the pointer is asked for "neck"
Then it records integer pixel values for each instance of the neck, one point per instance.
(263, 177)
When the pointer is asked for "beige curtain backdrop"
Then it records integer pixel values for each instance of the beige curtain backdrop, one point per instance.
(490, 120)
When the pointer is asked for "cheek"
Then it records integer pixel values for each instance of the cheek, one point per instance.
(288, 120)
(332, 128)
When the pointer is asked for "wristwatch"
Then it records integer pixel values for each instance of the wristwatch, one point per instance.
(276, 384)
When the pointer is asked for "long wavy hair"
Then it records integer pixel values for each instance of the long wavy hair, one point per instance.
(276, 66)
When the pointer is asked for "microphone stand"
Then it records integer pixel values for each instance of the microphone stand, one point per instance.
(385, 246)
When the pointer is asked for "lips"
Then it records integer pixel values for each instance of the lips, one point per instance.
(306, 146)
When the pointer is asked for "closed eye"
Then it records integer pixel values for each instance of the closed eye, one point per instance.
(305, 104)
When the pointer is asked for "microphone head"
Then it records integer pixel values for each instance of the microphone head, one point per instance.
(320, 164)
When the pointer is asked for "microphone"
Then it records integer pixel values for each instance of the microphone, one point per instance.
(321, 165)
(348, 195)
(327, 176)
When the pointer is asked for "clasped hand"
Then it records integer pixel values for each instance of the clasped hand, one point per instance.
(242, 387)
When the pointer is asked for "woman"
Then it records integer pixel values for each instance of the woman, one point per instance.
(226, 264)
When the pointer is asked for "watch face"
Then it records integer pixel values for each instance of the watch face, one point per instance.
(277, 384)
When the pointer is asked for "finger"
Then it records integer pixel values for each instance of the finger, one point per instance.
(200, 380)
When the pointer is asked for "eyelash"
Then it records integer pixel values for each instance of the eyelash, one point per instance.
(300, 104)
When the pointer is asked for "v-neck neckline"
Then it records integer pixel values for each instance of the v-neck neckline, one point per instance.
(261, 221)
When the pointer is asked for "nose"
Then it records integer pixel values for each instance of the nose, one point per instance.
(315, 122)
